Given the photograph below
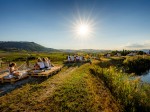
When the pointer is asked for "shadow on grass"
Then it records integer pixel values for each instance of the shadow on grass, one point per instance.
(8, 87)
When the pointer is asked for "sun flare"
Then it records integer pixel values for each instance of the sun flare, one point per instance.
(83, 29)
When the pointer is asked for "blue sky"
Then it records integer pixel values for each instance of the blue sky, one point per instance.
(116, 24)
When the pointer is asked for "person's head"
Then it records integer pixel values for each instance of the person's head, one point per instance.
(39, 60)
(44, 59)
(12, 64)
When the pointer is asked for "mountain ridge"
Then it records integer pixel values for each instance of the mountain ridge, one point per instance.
(24, 45)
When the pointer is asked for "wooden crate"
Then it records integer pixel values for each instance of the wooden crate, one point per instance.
(45, 73)
(13, 80)
(2, 77)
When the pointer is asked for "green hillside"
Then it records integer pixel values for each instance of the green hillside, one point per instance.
(28, 46)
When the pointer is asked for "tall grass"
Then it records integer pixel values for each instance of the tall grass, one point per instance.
(133, 95)
(137, 64)
(130, 64)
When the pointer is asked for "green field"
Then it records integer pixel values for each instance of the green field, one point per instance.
(105, 85)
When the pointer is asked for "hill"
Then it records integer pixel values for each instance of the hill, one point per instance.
(22, 45)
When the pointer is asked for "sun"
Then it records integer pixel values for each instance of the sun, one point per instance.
(83, 26)
(83, 29)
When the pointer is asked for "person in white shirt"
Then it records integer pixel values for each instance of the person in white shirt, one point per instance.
(39, 65)
(81, 58)
(69, 58)
(72, 58)
(46, 63)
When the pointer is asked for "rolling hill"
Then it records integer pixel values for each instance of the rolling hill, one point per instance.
(23, 45)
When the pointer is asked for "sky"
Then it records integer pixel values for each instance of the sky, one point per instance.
(113, 24)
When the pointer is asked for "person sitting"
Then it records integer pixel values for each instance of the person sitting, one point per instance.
(46, 62)
(36, 66)
(69, 59)
(39, 65)
(72, 58)
(50, 63)
(81, 58)
(77, 58)
(12, 71)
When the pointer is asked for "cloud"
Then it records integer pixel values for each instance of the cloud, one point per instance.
(142, 45)
(135, 45)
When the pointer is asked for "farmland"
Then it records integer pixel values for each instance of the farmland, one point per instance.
(104, 85)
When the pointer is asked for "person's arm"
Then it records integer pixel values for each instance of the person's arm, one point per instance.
(15, 69)
(12, 70)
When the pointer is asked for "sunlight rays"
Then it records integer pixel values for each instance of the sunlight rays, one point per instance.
(83, 26)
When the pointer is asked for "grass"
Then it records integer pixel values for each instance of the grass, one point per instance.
(78, 93)
(20, 58)
(129, 64)
(73, 89)
(102, 86)
(133, 95)
(137, 64)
